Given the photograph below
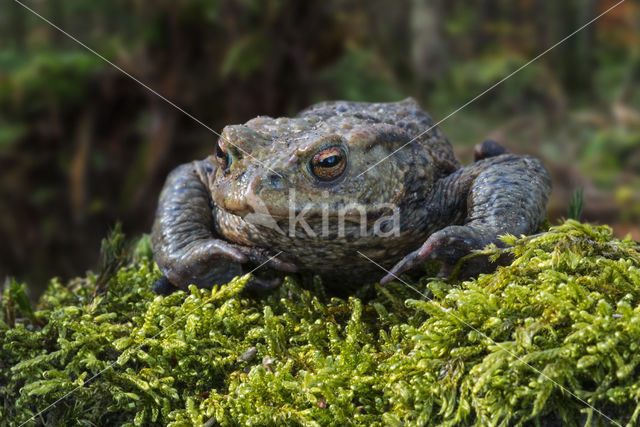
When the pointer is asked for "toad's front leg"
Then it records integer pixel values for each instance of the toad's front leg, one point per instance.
(184, 242)
(506, 194)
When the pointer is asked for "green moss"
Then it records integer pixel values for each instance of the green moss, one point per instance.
(495, 350)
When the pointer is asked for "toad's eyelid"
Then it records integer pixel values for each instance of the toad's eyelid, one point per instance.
(321, 144)
(328, 152)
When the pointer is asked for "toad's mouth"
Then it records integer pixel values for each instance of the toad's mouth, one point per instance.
(247, 204)
(316, 220)
(313, 212)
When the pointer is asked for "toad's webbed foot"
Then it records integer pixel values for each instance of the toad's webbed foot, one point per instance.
(183, 240)
(163, 286)
(447, 246)
(503, 194)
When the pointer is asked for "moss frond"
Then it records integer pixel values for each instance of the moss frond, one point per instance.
(544, 340)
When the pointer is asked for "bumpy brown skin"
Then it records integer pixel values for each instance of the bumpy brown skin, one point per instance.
(216, 219)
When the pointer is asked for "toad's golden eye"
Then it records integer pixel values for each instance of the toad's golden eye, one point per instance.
(328, 164)
(224, 160)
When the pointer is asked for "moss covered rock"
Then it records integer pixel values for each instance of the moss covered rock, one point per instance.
(553, 338)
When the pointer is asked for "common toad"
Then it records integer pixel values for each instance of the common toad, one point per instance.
(337, 184)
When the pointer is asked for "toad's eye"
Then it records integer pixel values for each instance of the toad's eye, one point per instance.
(328, 164)
(224, 160)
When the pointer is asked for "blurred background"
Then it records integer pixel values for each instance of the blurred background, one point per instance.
(82, 145)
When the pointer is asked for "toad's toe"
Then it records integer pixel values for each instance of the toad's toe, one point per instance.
(447, 246)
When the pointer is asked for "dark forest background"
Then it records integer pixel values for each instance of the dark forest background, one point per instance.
(82, 145)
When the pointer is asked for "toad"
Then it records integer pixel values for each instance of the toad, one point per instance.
(343, 190)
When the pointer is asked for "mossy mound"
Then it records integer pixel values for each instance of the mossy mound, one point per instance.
(554, 338)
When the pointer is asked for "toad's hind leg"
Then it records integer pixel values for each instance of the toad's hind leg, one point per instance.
(183, 242)
(506, 194)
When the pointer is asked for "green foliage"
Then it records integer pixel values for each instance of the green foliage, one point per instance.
(609, 152)
(246, 56)
(15, 299)
(576, 204)
(47, 80)
(9, 135)
(536, 341)
(359, 75)
(113, 255)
